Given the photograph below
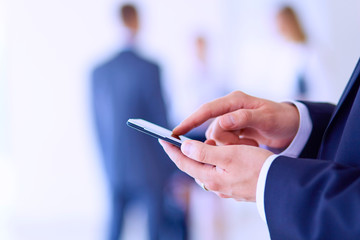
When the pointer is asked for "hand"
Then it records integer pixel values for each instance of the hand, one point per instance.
(229, 171)
(240, 116)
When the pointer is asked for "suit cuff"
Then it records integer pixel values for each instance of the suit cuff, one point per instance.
(260, 188)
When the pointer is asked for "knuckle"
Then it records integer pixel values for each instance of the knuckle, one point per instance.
(206, 107)
(271, 120)
(237, 94)
(202, 155)
(228, 161)
(243, 116)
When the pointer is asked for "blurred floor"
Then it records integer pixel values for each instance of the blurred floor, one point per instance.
(71, 229)
(237, 223)
(213, 218)
(27, 229)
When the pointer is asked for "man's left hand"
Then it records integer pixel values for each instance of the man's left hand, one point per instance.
(230, 171)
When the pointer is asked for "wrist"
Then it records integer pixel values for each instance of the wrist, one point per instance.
(291, 118)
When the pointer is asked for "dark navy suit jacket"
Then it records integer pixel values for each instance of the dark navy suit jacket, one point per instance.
(128, 86)
(317, 196)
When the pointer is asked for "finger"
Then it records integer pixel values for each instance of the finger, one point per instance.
(218, 107)
(225, 137)
(251, 133)
(193, 168)
(240, 119)
(248, 141)
(209, 130)
(204, 153)
(220, 136)
(229, 138)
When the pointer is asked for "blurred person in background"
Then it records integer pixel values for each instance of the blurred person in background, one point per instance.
(301, 57)
(128, 86)
(199, 85)
(206, 85)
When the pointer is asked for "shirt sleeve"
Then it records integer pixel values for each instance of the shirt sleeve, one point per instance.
(293, 150)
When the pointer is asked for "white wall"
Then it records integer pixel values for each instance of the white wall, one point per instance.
(52, 47)
(344, 22)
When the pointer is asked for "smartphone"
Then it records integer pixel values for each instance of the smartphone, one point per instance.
(156, 131)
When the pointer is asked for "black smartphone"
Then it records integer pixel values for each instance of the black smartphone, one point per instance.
(156, 131)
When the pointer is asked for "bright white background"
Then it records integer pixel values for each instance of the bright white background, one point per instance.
(51, 180)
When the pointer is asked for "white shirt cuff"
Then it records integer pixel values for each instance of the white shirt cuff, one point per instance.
(293, 150)
(303, 133)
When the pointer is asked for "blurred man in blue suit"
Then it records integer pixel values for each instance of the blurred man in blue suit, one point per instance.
(128, 86)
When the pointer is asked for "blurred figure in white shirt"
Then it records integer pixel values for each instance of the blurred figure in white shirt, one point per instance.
(283, 62)
(308, 80)
(202, 84)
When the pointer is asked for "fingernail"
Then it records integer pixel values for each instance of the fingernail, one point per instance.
(186, 148)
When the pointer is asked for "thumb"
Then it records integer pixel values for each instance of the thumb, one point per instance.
(202, 152)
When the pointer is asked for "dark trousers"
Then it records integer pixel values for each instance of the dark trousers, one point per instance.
(121, 200)
(165, 220)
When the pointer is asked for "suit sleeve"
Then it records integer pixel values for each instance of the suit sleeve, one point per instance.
(320, 114)
(308, 198)
(101, 105)
(312, 199)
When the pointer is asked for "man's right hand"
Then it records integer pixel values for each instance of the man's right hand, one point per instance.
(240, 116)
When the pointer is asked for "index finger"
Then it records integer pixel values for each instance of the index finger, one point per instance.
(218, 107)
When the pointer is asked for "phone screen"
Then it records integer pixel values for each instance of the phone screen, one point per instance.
(156, 131)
